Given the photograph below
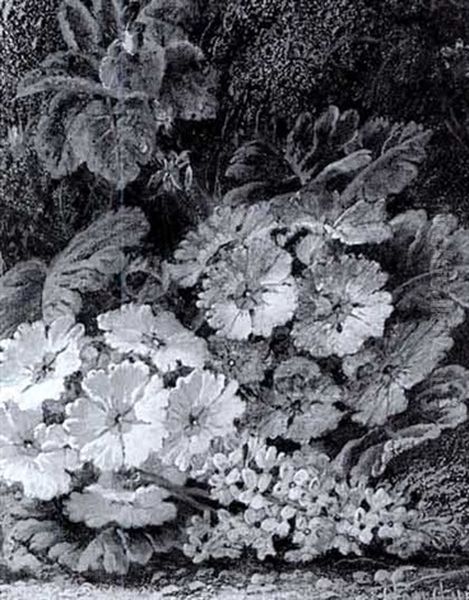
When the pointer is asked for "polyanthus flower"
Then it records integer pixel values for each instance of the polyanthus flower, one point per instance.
(161, 337)
(382, 374)
(341, 305)
(34, 455)
(36, 360)
(226, 225)
(246, 362)
(108, 501)
(120, 419)
(202, 407)
(249, 290)
(305, 400)
(313, 537)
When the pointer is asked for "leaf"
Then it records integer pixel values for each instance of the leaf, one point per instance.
(441, 399)
(58, 83)
(55, 139)
(392, 172)
(349, 165)
(376, 459)
(115, 142)
(255, 161)
(167, 20)
(91, 259)
(191, 94)
(20, 295)
(362, 223)
(80, 30)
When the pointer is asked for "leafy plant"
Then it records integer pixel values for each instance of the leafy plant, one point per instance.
(112, 96)
(250, 396)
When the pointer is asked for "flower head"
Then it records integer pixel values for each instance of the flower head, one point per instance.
(303, 402)
(109, 501)
(119, 421)
(341, 305)
(249, 290)
(34, 455)
(201, 408)
(162, 338)
(246, 362)
(36, 360)
(381, 374)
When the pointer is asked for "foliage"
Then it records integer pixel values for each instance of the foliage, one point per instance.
(112, 96)
(250, 395)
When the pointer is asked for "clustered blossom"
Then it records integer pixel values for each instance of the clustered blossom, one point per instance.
(249, 290)
(341, 305)
(161, 338)
(36, 360)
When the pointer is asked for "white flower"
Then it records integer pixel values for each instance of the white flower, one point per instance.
(36, 361)
(162, 338)
(201, 408)
(120, 420)
(107, 501)
(34, 455)
(250, 289)
(341, 305)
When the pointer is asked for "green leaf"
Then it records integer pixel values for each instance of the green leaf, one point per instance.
(115, 141)
(20, 295)
(90, 261)
(55, 138)
(57, 83)
(393, 171)
(255, 161)
(80, 30)
(191, 93)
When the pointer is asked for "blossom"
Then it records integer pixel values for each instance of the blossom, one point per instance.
(201, 408)
(249, 290)
(303, 403)
(382, 374)
(246, 362)
(108, 501)
(36, 360)
(313, 537)
(33, 454)
(120, 419)
(340, 306)
(161, 337)
(226, 225)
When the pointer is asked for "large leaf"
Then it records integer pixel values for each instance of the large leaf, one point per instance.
(91, 259)
(80, 29)
(20, 295)
(256, 161)
(394, 170)
(115, 141)
(55, 141)
(57, 83)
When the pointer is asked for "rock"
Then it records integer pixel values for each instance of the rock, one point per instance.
(196, 585)
(169, 590)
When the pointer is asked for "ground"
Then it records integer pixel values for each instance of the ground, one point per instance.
(300, 584)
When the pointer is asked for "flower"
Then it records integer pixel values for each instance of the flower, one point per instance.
(340, 306)
(33, 454)
(313, 537)
(381, 374)
(225, 226)
(249, 290)
(120, 419)
(162, 338)
(246, 362)
(306, 398)
(201, 408)
(36, 360)
(108, 501)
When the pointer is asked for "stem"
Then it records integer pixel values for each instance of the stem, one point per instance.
(179, 491)
(423, 276)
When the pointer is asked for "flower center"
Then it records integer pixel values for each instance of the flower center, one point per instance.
(42, 370)
(151, 339)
